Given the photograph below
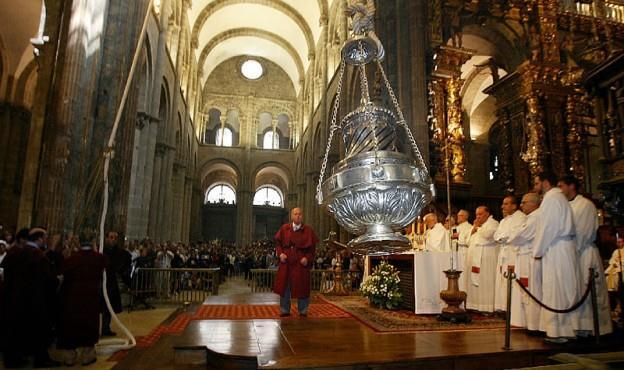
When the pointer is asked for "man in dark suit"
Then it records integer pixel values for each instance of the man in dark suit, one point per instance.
(119, 264)
(28, 286)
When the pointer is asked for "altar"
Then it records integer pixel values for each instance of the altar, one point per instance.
(422, 277)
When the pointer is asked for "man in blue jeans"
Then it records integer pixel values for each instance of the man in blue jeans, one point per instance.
(295, 248)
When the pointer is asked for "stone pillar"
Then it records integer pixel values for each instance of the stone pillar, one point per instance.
(155, 209)
(418, 76)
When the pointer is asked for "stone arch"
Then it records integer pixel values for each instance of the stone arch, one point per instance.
(163, 110)
(26, 85)
(478, 74)
(263, 34)
(500, 41)
(278, 173)
(275, 4)
(224, 170)
(145, 78)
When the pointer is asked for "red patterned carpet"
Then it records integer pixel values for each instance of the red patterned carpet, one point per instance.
(401, 321)
(247, 312)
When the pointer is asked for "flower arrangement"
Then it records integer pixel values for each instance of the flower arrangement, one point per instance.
(382, 286)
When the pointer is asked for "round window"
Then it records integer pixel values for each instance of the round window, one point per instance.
(252, 69)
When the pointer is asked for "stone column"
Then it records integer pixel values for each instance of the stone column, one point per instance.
(155, 209)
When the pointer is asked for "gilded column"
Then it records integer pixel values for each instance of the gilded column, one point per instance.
(534, 154)
(448, 128)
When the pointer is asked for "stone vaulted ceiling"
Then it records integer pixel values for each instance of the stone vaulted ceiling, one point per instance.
(283, 31)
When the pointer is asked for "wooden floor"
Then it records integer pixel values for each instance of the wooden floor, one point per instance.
(334, 343)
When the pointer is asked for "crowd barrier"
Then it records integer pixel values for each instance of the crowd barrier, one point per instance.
(262, 280)
(169, 285)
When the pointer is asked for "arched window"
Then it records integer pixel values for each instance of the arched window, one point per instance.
(224, 137)
(271, 140)
(221, 193)
(268, 196)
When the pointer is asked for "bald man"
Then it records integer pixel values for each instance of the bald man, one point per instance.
(481, 262)
(513, 219)
(437, 238)
(295, 245)
(528, 269)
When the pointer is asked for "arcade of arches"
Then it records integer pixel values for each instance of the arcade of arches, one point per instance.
(227, 114)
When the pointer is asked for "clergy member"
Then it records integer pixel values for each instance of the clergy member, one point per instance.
(555, 244)
(528, 269)
(513, 219)
(462, 234)
(482, 257)
(295, 247)
(463, 228)
(437, 237)
(585, 216)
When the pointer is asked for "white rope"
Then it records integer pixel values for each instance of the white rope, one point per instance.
(109, 346)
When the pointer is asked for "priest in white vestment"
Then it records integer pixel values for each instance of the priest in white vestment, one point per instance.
(528, 269)
(437, 237)
(481, 262)
(555, 244)
(462, 235)
(514, 218)
(585, 216)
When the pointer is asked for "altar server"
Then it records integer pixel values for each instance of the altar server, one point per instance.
(482, 256)
(528, 269)
(437, 237)
(514, 218)
(585, 216)
(555, 244)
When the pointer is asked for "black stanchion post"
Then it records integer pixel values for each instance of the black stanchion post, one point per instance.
(594, 303)
(510, 275)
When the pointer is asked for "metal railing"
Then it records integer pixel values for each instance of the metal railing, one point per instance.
(168, 285)
(262, 280)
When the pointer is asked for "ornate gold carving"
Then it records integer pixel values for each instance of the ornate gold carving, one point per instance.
(447, 125)
(534, 152)
(455, 129)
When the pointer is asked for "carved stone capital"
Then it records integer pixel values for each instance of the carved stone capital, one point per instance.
(448, 61)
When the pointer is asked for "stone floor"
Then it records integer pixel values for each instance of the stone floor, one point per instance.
(139, 322)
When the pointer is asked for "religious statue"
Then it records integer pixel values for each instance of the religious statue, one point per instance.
(493, 66)
(362, 13)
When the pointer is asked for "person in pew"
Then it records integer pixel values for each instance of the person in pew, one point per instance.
(295, 245)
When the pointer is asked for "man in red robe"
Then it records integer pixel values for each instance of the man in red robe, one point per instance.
(295, 247)
(79, 323)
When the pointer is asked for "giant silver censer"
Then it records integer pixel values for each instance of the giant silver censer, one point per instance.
(377, 189)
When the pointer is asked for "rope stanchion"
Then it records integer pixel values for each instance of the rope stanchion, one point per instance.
(510, 276)
(589, 291)
(594, 301)
(555, 310)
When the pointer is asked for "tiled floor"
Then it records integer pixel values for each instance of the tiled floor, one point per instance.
(139, 323)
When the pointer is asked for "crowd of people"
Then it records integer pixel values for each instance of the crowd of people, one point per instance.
(50, 286)
(547, 241)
